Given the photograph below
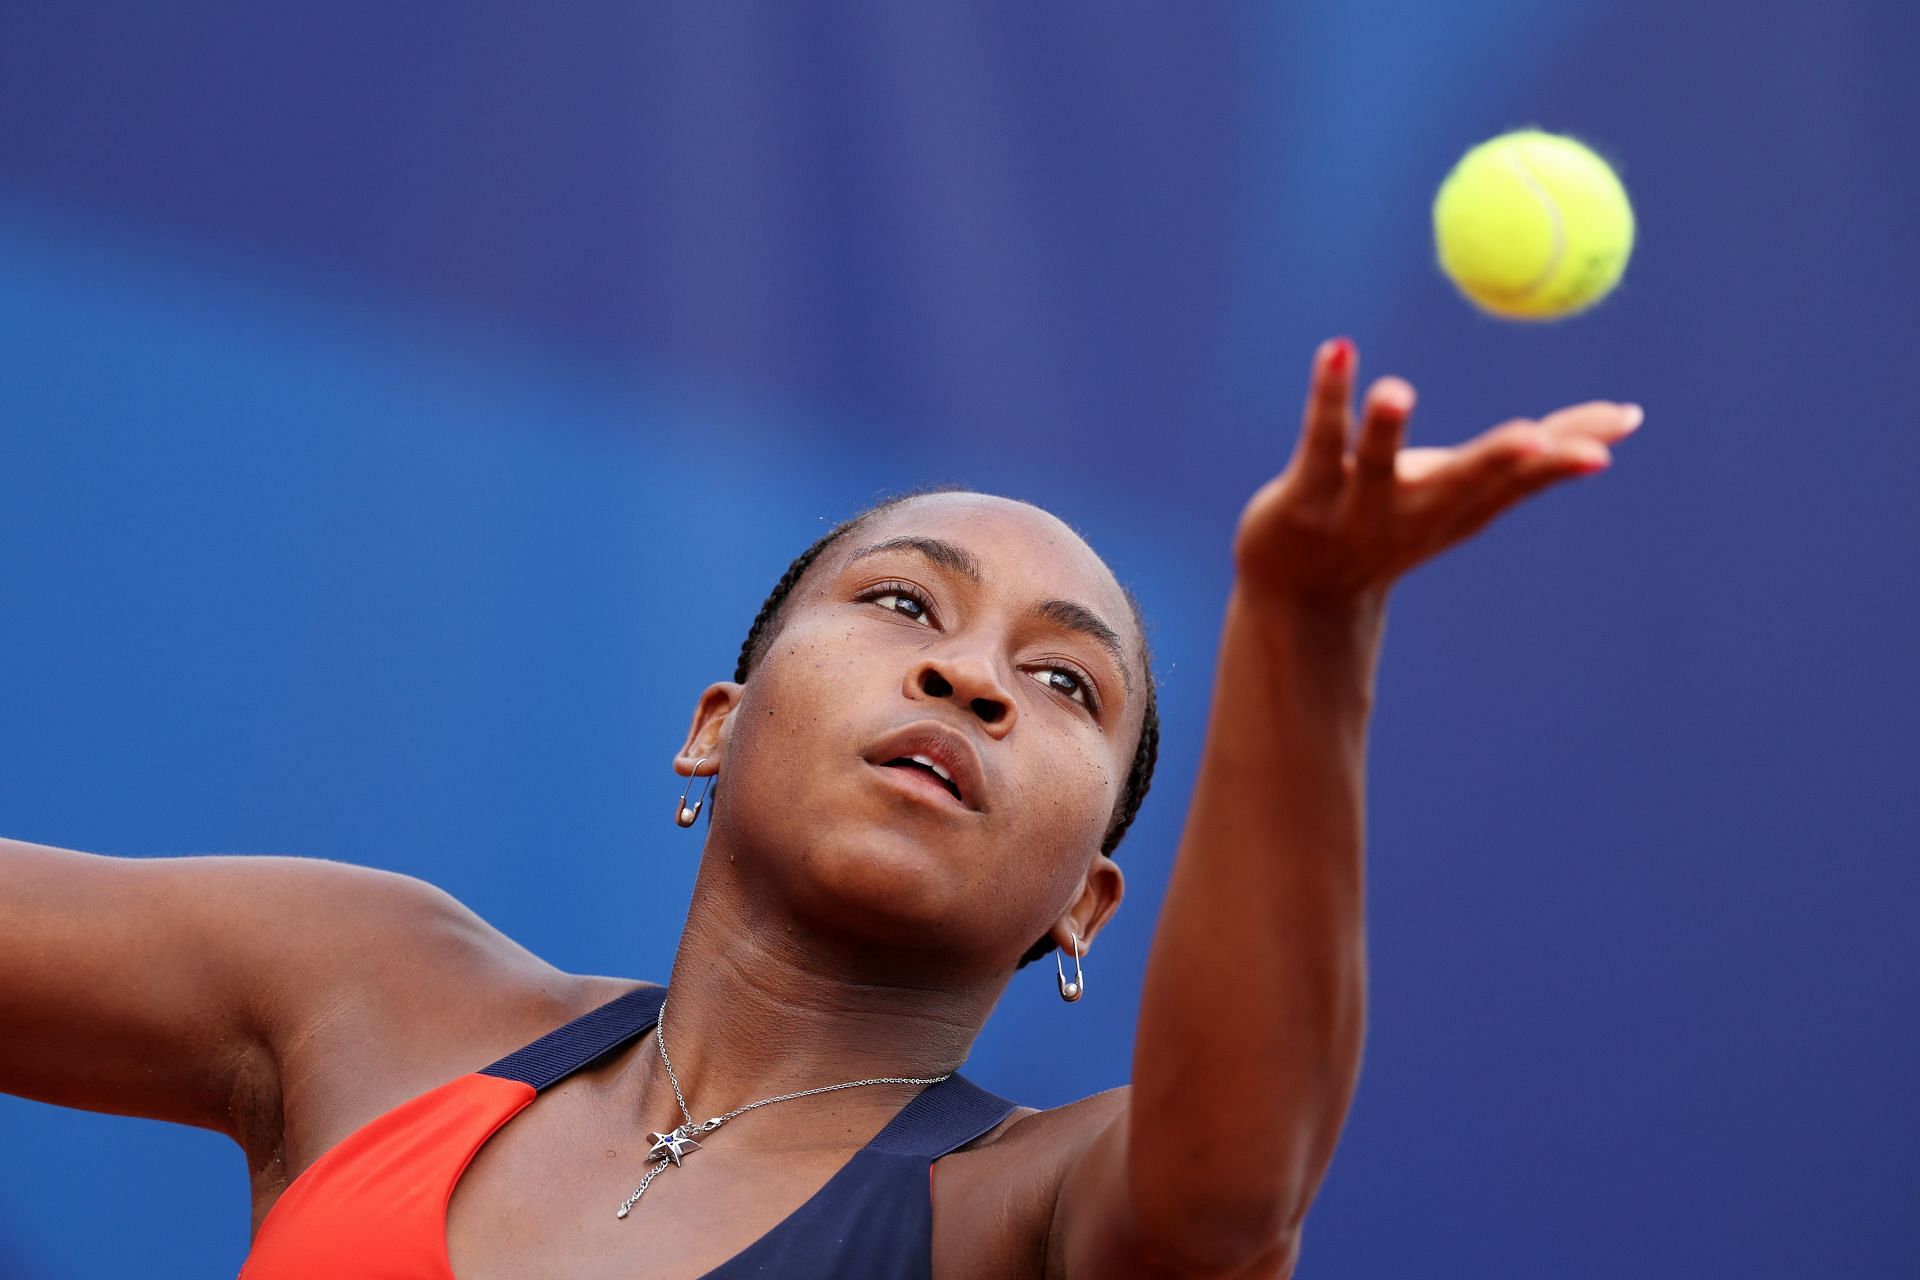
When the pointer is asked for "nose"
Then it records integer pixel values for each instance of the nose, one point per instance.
(968, 681)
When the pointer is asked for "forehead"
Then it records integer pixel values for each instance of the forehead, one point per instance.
(1019, 546)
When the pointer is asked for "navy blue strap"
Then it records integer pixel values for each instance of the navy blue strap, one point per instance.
(589, 1037)
(873, 1220)
(945, 1117)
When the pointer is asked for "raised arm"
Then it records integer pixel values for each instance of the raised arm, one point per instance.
(173, 987)
(1254, 1010)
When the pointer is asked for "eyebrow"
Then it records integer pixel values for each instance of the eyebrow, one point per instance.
(1067, 614)
(945, 554)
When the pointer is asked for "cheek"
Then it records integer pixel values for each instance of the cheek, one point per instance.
(1067, 808)
(795, 700)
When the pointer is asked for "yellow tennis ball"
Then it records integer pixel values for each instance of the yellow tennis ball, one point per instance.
(1533, 226)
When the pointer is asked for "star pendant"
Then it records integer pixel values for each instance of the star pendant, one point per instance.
(672, 1146)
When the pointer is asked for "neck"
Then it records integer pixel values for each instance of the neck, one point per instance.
(763, 1004)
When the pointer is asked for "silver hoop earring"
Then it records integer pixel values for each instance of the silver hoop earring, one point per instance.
(683, 815)
(1070, 991)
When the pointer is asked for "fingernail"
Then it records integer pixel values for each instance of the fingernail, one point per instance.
(1342, 357)
(1632, 415)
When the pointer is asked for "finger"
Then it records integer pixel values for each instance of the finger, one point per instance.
(1602, 420)
(1573, 431)
(1415, 465)
(1383, 430)
(1462, 489)
(1465, 480)
(1458, 477)
(1320, 454)
(1529, 478)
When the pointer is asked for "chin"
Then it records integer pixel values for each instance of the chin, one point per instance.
(884, 885)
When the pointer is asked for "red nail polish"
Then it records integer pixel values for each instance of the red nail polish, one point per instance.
(1342, 358)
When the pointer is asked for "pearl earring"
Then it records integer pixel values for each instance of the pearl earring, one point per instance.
(683, 815)
(1070, 991)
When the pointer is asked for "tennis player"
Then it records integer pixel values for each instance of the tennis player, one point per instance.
(917, 780)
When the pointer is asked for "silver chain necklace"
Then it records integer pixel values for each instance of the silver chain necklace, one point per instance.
(671, 1148)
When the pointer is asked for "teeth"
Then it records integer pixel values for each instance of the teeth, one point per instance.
(944, 775)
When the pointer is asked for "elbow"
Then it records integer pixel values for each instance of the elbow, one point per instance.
(1237, 1240)
(1275, 1260)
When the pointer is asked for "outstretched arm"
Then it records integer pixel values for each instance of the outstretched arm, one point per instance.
(181, 988)
(1254, 1010)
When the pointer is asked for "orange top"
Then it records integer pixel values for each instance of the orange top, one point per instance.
(390, 1181)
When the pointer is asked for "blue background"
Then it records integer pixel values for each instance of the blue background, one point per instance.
(406, 408)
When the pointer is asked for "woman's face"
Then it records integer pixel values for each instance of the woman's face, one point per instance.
(983, 635)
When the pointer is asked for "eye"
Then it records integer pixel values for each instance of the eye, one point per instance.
(892, 596)
(1070, 682)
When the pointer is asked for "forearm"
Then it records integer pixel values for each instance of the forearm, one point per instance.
(1254, 1010)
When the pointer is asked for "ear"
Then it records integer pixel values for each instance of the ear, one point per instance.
(712, 725)
(1099, 898)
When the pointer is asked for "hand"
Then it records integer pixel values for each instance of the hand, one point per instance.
(1337, 527)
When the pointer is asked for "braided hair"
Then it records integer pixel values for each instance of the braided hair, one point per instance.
(766, 625)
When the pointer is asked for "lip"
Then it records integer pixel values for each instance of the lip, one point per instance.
(939, 743)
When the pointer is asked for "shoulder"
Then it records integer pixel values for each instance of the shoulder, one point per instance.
(390, 986)
(410, 980)
(354, 942)
(994, 1199)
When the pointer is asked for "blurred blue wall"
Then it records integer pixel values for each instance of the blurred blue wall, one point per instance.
(405, 410)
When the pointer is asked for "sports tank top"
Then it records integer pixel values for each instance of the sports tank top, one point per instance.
(374, 1207)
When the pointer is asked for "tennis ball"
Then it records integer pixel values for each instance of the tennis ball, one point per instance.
(1533, 226)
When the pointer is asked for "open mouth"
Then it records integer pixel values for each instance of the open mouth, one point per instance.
(930, 768)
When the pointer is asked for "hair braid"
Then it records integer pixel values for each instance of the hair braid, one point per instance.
(775, 599)
(766, 625)
(1139, 779)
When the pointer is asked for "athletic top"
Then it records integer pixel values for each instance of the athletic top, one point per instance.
(374, 1207)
